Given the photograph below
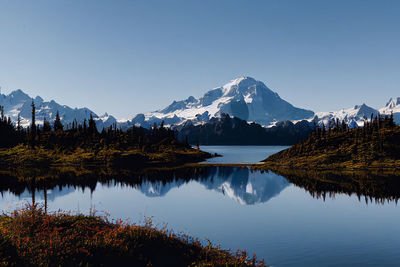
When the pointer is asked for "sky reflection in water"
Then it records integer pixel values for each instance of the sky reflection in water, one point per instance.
(259, 212)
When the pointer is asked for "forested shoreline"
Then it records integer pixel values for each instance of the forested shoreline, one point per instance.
(374, 146)
(82, 143)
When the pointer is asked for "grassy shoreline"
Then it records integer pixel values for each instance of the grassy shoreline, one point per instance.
(30, 237)
(24, 156)
(311, 164)
(375, 147)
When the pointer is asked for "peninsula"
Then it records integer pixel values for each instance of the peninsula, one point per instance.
(376, 146)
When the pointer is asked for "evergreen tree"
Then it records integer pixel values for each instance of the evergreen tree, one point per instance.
(33, 122)
(33, 125)
(391, 120)
(57, 123)
(46, 125)
(19, 123)
(92, 126)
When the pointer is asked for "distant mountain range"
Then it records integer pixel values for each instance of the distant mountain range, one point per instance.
(355, 116)
(244, 98)
(17, 102)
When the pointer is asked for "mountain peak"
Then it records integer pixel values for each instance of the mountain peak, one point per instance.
(38, 99)
(393, 102)
(18, 91)
(361, 107)
(241, 79)
(243, 97)
(18, 94)
(237, 82)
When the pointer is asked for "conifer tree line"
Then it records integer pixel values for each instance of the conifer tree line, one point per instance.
(86, 135)
(9, 135)
(335, 126)
(379, 139)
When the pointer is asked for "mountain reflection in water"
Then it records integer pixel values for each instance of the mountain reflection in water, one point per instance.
(291, 218)
(240, 184)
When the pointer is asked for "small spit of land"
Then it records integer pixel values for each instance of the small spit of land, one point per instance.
(376, 146)
(136, 147)
(31, 237)
(131, 158)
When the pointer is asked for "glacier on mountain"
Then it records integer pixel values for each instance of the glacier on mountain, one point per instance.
(251, 100)
(244, 97)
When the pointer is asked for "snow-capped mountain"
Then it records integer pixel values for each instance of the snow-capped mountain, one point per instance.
(251, 100)
(17, 102)
(393, 105)
(354, 117)
(245, 98)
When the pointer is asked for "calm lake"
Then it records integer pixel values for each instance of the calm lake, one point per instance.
(240, 209)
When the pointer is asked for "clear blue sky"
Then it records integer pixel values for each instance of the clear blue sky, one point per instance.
(126, 57)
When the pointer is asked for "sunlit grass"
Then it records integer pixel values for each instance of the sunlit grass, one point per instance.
(23, 155)
(29, 236)
(354, 149)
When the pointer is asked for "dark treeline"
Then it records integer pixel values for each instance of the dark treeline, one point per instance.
(234, 131)
(335, 126)
(86, 135)
(369, 139)
(10, 135)
(378, 140)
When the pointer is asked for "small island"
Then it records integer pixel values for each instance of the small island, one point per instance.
(376, 146)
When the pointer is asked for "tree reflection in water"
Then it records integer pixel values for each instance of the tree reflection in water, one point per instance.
(378, 187)
(241, 184)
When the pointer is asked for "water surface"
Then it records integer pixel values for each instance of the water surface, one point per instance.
(241, 154)
(239, 209)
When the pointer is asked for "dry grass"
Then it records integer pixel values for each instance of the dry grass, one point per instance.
(29, 237)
